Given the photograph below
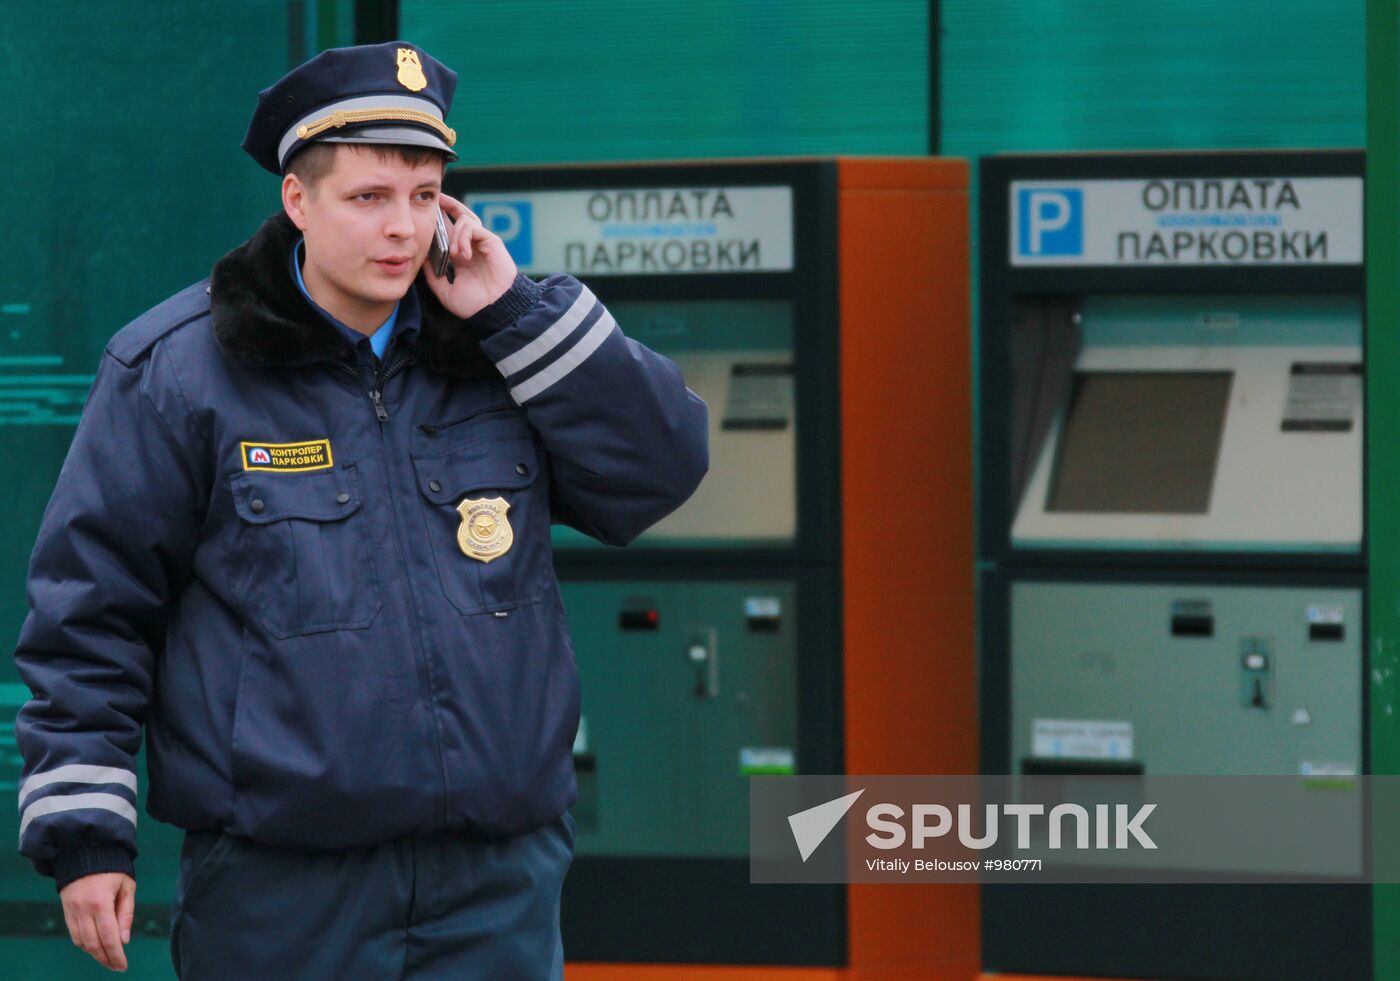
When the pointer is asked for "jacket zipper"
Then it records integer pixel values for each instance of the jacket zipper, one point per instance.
(376, 390)
(376, 396)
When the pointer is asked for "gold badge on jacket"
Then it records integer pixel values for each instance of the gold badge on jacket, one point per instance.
(485, 531)
(411, 74)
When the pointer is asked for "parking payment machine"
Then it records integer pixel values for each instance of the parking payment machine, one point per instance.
(1173, 524)
(775, 624)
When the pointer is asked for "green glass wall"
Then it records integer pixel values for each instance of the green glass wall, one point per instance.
(124, 183)
(1022, 75)
(585, 80)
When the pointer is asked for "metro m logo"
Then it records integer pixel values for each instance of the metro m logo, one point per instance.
(1049, 221)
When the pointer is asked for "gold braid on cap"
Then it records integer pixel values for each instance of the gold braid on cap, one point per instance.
(341, 118)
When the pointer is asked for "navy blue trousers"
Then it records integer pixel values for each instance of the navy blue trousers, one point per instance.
(440, 906)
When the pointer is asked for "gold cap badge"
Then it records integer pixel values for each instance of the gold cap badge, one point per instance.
(411, 74)
(485, 532)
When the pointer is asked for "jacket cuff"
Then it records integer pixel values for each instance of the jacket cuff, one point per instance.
(512, 305)
(89, 860)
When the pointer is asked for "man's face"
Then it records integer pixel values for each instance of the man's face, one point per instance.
(368, 225)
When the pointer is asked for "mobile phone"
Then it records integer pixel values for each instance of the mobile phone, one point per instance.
(437, 252)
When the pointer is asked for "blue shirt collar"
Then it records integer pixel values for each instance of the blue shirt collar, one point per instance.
(405, 317)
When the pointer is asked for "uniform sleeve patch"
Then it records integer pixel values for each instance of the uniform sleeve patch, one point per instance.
(287, 457)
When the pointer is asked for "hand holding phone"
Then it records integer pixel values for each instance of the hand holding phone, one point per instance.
(471, 267)
(437, 252)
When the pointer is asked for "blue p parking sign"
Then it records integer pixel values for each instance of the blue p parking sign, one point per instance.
(511, 220)
(1050, 221)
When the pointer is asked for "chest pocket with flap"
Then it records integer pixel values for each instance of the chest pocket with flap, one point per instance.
(303, 555)
(487, 520)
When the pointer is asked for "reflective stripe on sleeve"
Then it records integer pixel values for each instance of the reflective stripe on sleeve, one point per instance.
(551, 338)
(75, 802)
(570, 360)
(77, 773)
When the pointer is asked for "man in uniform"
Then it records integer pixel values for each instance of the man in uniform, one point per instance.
(302, 537)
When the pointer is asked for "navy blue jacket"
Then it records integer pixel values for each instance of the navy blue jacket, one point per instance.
(253, 552)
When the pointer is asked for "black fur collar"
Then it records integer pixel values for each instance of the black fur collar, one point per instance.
(261, 317)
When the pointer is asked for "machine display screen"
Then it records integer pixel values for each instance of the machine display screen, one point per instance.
(1140, 442)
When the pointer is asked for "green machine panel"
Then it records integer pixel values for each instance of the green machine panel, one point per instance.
(688, 688)
(1187, 679)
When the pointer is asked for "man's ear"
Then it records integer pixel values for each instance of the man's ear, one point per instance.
(294, 195)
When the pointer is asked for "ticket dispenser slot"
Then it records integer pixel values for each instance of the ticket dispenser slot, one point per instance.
(1192, 619)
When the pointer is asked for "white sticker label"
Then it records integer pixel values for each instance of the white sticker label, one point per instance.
(1187, 222)
(644, 231)
(766, 759)
(1326, 614)
(1085, 739)
(1325, 768)
(763, 606)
